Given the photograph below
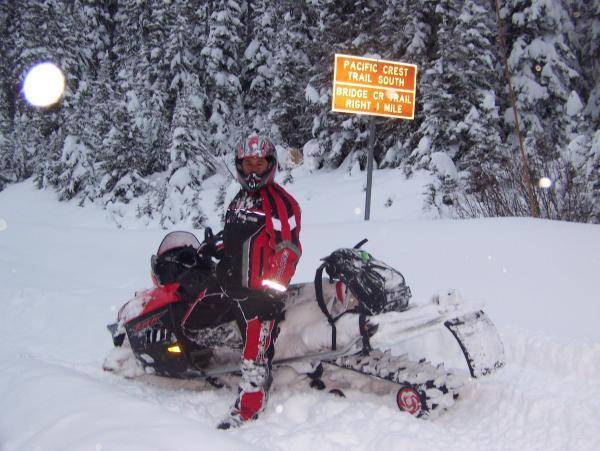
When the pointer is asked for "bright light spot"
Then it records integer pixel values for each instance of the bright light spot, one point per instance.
(504, 270)
(44, 85)
(489, 257)
(545, 183)
(392, 95)
(174, 349)
(279, 408)
(357, 211)
(3, 225)
(538, 68)
(274, 285)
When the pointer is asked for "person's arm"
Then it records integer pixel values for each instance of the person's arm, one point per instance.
(283, 227)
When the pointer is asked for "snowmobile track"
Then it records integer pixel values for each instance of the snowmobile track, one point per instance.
(436, 387)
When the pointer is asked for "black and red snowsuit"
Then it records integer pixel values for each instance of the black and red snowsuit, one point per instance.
(261, 240)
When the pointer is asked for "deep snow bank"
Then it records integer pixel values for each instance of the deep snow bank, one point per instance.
(64, 270)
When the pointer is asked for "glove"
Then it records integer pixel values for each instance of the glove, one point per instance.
(189, 285)
(232, 290)
(213, 246)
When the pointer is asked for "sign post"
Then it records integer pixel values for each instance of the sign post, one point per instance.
(373, 87)
(370, 169)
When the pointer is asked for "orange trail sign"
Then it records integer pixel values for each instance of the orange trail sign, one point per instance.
(374, 87)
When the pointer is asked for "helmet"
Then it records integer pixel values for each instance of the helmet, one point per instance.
(256, 146)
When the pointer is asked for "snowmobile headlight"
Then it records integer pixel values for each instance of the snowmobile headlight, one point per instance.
(175, 349)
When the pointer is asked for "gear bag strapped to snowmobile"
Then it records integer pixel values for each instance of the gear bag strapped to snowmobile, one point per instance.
(376, 286)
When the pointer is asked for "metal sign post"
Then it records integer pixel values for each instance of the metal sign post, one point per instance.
(377, 88)
(370, 169)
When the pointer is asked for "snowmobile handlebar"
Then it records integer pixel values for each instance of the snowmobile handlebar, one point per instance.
(360, 243)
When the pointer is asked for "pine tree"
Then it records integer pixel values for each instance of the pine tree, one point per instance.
(129, 48)
(221, 56)
(337, 137)
(442, 96)
(7, 171)
(594, 170)
(408, 28)
(478, 134)
(187, 169)
(586, 18)
(119, 160)
(153, 91)
(257, 73)
(291, 70)
(74, 172)
(37, 38)
(547, 82)
(67, 41)
(190, 159)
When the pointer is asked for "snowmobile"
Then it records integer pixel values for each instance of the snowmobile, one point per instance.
(357, 321)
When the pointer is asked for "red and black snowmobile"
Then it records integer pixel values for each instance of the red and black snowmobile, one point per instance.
(358, 321)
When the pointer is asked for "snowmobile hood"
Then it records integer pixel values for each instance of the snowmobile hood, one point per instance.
(147, 301)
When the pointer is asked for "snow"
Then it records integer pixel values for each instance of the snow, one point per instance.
(443, 164)
(574, 104)
(65, 271)
(251, 49)
(311, 94)
(488, 101)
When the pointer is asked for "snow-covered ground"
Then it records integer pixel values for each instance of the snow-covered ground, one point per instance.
(64, 271)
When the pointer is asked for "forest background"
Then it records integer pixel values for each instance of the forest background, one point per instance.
(159, 92)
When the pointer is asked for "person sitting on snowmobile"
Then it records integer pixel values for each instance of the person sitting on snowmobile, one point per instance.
(261, 248)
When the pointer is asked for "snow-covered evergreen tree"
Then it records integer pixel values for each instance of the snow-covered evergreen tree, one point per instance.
(586, 19)
(122, 161)
(221, 56)
(156, 90)
(154, 96)
(37, 38)
(74, 172)
(337, 137)
(442, 93)
(257, 64)
(548, 85)
(291, 70)
(408, 29)
(478, 133)
(187, 168)
(190, 159)
(7, 172)
(120, 179)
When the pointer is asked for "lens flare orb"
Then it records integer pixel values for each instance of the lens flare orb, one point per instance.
(44, 85)
(545, 183)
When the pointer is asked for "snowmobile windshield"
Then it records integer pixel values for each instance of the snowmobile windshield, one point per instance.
(178, 239)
